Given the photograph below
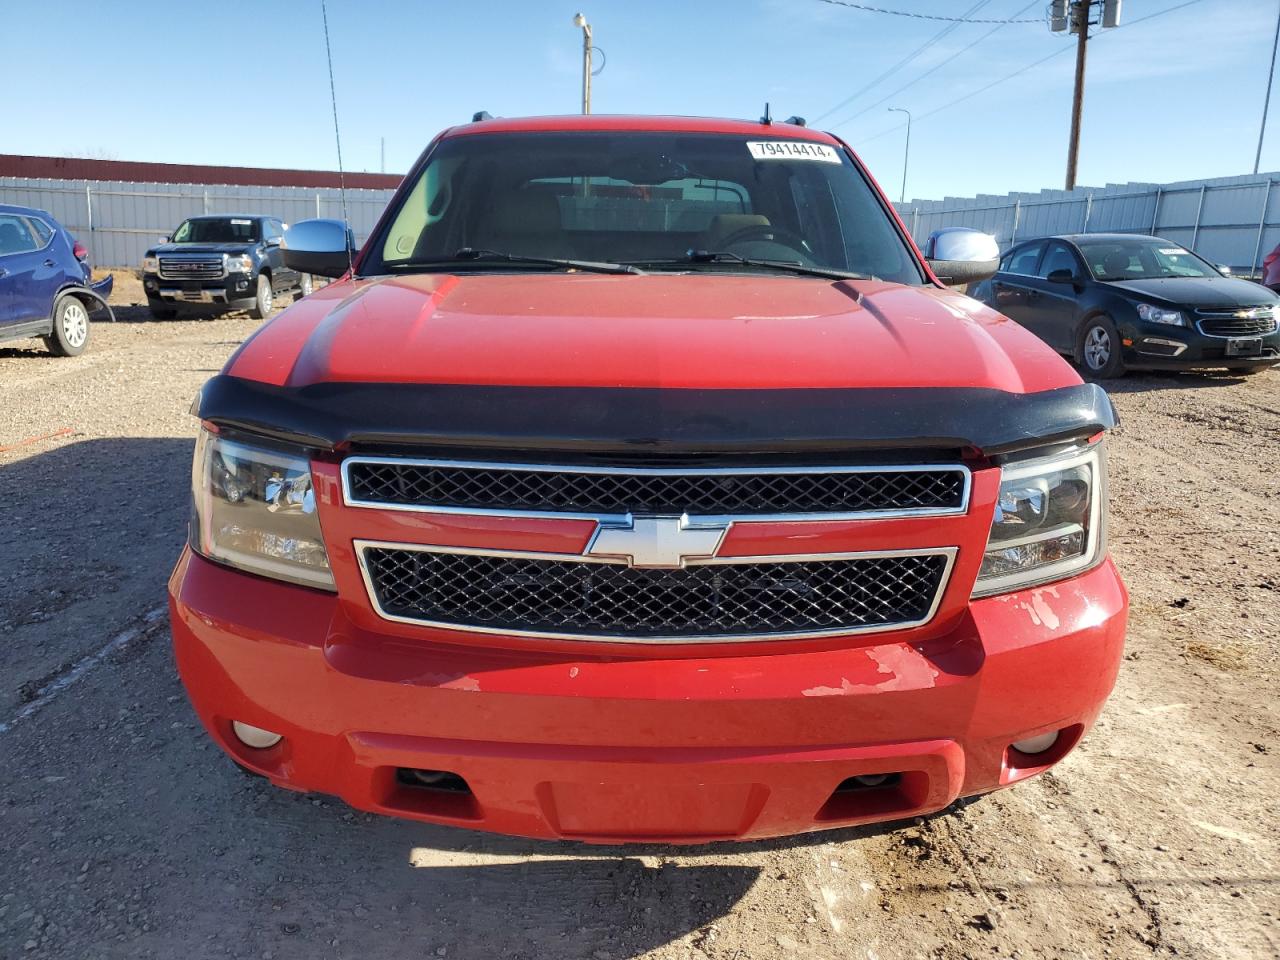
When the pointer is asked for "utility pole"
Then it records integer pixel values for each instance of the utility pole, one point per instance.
(1076, 15)
(1080, 12)
(580, 21)
(1266, 103)
(382, 154)
(906, 151)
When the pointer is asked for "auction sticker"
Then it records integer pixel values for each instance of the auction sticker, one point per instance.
(792, 150)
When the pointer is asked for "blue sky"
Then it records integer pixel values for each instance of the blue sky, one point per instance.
(1175, 98)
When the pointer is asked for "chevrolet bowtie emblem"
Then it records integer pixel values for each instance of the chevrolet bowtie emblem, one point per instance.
(657, 541)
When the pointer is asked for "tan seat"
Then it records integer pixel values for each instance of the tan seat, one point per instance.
(526, 222)
(724, 225)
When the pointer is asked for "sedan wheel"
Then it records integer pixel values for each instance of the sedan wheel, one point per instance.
(1100, 349)
(1097, 349)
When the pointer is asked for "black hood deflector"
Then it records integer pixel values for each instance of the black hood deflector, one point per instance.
(657, 422)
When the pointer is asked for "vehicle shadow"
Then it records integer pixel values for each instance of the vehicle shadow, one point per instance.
(1150, 381)
(484, 895)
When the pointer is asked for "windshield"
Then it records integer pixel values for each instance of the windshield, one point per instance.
(217, 230)
(1142, 258)
(649, 199)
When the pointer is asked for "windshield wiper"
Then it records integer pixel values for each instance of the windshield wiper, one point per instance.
(479, 254)
(791, 266)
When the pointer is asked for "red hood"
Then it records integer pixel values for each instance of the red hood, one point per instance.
(659, 330)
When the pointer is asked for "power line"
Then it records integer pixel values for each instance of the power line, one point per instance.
(922, 16)
(1019, 72)
(900, 64)
(931, 70)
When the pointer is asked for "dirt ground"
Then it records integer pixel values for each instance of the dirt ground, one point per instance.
(125, 834)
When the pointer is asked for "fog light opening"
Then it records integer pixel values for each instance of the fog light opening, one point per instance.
(432, 780)
(254, 737)
(869, 781)
(1037, 744)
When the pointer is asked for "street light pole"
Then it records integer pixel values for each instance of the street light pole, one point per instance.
(580, 21)
(906, 151)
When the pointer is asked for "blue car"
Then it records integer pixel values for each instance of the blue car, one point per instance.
(46, 287)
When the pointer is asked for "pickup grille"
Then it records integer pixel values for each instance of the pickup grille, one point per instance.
(1237, 323)
(745, 492)
(754, 599)
(191, 267)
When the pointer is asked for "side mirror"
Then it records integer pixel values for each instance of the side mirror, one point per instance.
(960, 255)
(274, 241)
(1224, 269)
(324, 248)
(1061, 276)
(164, 239)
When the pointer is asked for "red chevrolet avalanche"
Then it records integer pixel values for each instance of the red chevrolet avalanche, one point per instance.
(639, 479)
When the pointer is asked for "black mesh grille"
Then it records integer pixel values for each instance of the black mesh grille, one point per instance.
(570, 492)
(706, 600)
(1229, 326)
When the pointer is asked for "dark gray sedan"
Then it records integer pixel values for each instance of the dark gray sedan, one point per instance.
(1114, 301)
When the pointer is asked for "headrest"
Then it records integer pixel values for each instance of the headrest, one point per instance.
(1115, 263)
(727, 224)
(527, 211)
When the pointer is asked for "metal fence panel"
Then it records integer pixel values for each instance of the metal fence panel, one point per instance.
(117, 221)
(1233, 221)
(1228, 220)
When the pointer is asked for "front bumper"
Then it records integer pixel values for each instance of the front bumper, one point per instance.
(233, 290)
(1163, 347)
(644, 746)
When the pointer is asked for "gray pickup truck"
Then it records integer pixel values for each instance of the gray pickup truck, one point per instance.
(222, 262)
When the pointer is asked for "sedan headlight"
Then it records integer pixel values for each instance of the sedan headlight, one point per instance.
(255, 508)
(241, 263)
(1153, 314)
(150, 264)
(1048, 523)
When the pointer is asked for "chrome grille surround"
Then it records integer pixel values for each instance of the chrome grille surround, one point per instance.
(1243, 322)
(192, 266)
(612, 494)
(603, 600)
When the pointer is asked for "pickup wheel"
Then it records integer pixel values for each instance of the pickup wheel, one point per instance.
(1099, 349)
(263, 300)
(304, 287)
(70, 328)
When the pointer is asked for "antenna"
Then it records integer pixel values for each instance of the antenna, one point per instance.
(767, 119)
(333, 99)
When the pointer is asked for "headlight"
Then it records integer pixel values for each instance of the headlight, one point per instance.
(255, 509)
(239, 264)
(150, 264)
(1153, 314)
(1048, 522)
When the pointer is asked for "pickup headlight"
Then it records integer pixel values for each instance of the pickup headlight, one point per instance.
(1153, 314)
(150, 264)
(1048, 523)
(240, 263)
(254, 508)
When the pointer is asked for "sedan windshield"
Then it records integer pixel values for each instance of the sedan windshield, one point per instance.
(655, 201)
(217, 230)
(1142, 258)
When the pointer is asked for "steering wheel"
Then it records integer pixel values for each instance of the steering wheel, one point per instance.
(764, 231)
